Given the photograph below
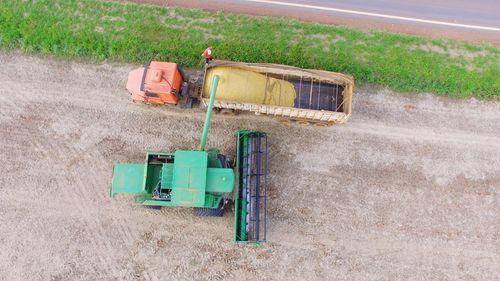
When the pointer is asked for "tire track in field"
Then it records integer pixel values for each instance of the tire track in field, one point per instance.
(429, 135)
(85, 195)
(56, 154)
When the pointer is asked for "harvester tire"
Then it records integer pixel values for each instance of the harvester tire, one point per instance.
(152, 207)
(209, 212)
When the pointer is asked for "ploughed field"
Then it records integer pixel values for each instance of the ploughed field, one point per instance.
(408, 188)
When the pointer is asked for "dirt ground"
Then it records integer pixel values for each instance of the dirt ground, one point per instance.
(408, 189)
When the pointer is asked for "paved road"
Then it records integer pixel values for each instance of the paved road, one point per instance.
(484, 13)
(458, 19)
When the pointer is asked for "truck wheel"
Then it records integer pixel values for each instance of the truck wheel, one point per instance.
(184, 89)
(184, 76)
(321, 124)
(152, 207)
(227, 112)
(303, 123)
(282, 120)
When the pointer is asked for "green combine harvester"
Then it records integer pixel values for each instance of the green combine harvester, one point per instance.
(205, 180)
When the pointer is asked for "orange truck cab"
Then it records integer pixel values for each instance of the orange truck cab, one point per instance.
(155, 83)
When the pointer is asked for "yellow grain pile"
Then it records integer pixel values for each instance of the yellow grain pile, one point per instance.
(246, 86)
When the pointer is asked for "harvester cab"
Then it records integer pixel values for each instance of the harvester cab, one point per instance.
(205, 180)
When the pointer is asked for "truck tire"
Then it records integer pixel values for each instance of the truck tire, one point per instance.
(303, 123)
(227, 112)
(184, 75)
(283, 120)
(321, 124)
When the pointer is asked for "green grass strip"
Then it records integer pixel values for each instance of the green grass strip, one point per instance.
(138, 33)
